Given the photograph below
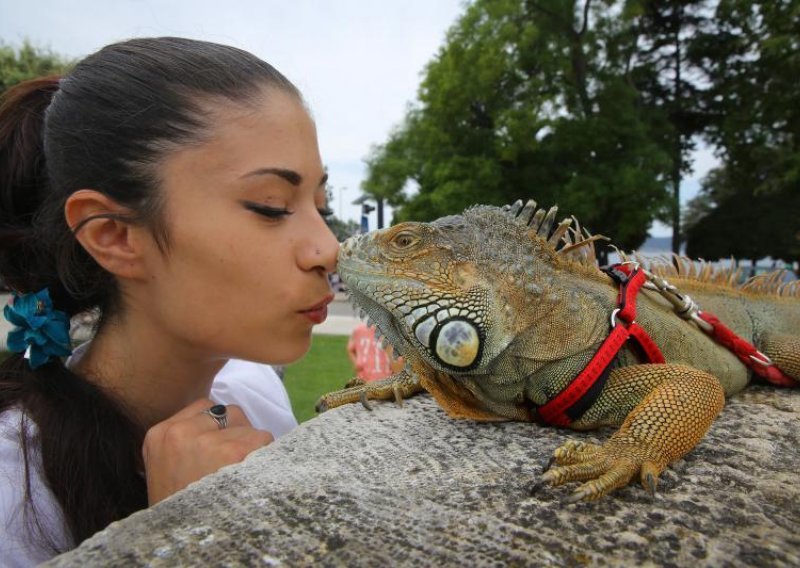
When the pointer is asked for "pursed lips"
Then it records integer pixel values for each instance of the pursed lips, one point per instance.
(319, 305)
(318, 313)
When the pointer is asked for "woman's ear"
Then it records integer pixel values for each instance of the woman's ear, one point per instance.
(107, 231)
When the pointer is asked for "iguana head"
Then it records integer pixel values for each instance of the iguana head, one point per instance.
(453, 291)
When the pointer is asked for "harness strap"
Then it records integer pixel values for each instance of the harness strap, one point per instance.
(570, 404)
(579, 395)
(686, 308)
(759, 363)
(650, 351)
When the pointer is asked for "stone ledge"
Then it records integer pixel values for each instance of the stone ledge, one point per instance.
(409, 486)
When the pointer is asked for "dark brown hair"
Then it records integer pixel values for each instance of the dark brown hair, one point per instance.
(107, 126)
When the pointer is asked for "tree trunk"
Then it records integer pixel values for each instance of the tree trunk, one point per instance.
(677, 150)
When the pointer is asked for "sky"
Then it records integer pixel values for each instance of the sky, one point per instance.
(358, 62)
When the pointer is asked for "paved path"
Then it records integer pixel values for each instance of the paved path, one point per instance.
(341, 318)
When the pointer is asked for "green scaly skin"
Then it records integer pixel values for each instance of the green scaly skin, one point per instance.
(493, 319)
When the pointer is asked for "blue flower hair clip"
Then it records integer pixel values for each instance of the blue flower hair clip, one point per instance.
(40, 331)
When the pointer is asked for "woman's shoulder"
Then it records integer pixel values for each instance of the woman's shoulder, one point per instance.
(24, 523)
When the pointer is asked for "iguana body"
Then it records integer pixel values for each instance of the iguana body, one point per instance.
(495, 312)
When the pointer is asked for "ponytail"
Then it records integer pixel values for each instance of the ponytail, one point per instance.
(92, 471)
(23, 176)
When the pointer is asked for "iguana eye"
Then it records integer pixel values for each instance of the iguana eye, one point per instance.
(404, 240)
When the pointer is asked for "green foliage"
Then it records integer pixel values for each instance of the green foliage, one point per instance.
(597, 105)
(325, 368)
(753, 62)
(342, 229)
(669, 82)
(727, 221)
(28, 62)
(524, 101)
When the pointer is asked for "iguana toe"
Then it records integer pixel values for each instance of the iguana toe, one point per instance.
(574, 452)
(603, 468)
(355, 382)
(604, 476)
(618, 476)
(398, 395)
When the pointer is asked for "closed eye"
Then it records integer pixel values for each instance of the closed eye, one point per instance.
(325, 212)
(266, 210)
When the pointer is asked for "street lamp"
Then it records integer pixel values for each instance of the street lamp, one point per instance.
(366, 208)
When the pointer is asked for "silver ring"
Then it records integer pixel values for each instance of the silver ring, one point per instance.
(220, 415)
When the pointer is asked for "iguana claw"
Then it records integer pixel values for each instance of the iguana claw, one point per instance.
(364, 402)
(604, 468)
(650, 477)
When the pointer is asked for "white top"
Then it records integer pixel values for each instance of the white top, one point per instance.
(253, 386)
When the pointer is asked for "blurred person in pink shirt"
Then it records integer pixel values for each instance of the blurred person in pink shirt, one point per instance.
(372, 362)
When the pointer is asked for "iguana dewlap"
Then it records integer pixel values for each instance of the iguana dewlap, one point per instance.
(497, 310)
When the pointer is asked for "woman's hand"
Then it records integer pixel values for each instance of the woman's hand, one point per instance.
(190, 445)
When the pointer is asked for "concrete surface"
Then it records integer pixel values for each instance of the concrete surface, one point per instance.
(411, 487)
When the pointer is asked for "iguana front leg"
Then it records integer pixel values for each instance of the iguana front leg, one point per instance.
(679, 406)
(397, 387)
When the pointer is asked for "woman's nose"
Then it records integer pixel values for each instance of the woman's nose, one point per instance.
(321, 249)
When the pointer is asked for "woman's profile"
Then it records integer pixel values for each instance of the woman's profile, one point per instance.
(175, 187)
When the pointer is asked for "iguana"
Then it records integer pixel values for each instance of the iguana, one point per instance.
(497, 311)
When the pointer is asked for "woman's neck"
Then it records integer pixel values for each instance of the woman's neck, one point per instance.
(151, 373)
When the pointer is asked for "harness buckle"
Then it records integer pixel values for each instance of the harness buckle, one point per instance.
(761, 359)
(687, 309)
(621, 276)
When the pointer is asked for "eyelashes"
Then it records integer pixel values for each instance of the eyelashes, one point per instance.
(267, 211)
(279, 212)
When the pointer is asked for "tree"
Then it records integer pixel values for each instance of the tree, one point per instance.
(27, 62)
(526, 99)
(341, 228)
(752, 59)
(728, 220)
(659, 37)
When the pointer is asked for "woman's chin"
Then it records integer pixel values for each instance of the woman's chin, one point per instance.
(287, 353)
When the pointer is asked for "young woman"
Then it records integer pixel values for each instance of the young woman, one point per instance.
(175, 187)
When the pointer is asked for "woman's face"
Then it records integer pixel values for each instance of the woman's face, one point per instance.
(245, 272)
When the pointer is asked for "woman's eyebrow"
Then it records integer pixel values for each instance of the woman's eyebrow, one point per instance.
(289, 175)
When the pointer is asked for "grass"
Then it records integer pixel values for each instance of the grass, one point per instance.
(325, 368)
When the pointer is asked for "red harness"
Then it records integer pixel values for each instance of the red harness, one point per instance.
(570, 404)
(759, 363)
